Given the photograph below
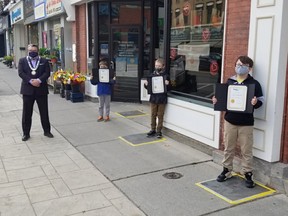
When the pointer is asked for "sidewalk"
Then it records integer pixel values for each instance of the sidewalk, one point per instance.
(86, 169)
(48, 176)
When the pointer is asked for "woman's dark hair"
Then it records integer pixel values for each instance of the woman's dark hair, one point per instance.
(245, 60)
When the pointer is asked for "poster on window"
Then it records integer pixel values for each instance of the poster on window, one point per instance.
(192, 62)
(186, 49)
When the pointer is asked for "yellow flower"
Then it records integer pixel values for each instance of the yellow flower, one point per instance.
(77, 78)
(62, 76)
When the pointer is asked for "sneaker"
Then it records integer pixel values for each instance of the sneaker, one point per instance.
(107, 119)
(151, 133)
(159, 135)
(226, 174)
(100, 118)
(249, 180)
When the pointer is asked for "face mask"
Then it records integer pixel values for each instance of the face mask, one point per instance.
(241, 70)
(158, 70)
(33, 54)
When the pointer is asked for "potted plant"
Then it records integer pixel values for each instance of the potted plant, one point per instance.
(8, 60)
(44, 52)
(53, 58)
(76, 79)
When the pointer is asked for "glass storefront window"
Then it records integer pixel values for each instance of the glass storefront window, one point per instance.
(104, 27)
(125, 13)
(147, 37)
(196, 48)
(91, 29)
(33, 34)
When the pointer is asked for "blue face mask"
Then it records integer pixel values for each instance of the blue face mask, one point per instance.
(241, 70)
(33, 54)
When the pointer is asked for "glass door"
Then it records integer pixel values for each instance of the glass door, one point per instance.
(126, 48)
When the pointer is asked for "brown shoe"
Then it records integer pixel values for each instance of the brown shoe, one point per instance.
(107, 119)
(100, 118)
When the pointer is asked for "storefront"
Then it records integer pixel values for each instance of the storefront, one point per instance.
(3, 29)
(18, 44)
(29, 22)
(132, 34)
(54, 31)
(126, 33)
(200, 49)
(191, 44)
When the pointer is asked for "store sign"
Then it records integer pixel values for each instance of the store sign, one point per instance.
(29, 8)
(53, 7)
(16, 14)
(180, 34)
(39, 9)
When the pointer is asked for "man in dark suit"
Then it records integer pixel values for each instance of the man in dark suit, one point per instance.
(34, 72)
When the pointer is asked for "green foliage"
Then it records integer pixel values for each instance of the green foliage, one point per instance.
(44, 52)
(8, 58)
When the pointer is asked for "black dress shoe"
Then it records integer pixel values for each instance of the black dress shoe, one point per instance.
(48, 134)
(25, 137)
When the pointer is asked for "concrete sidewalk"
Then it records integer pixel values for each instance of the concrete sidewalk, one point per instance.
(87, 170)
(48, 176)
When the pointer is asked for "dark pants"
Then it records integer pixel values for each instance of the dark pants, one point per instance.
(28, 103)
(157, 111)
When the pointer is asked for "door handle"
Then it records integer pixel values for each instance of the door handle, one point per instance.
(112, 65)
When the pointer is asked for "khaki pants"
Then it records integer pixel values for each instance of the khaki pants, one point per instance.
(244, 136)
(157, 110)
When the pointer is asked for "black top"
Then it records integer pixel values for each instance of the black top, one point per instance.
(239, 118)
(159, 98)
(42, 73)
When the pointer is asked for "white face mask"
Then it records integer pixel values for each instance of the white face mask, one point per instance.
(241, 69)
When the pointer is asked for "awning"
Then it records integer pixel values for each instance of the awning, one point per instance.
(70, 10)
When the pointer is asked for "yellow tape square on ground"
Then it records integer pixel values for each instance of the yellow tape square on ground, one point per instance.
(141, 139)
(234, 190)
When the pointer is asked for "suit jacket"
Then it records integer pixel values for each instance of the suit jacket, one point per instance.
(42, 73)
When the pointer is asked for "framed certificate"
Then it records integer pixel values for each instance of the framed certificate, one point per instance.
(104, 75)
(236, 98)
(156, 85)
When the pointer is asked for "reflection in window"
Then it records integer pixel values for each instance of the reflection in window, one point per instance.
(91, 29)
(104, 25)
(126, 12)
(196, 48)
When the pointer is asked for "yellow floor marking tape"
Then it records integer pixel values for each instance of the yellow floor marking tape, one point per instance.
(145, 143)
(246, 199)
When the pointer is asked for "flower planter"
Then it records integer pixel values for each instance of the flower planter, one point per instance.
(75, 88)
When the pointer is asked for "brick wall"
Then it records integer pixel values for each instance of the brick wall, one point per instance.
(284, 149)
(236, 41)
(80, 34)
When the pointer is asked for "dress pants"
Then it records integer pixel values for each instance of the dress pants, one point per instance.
(28, 103)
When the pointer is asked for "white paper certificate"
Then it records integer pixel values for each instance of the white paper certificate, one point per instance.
(157, 84)
(104, 75)
(237, 97)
